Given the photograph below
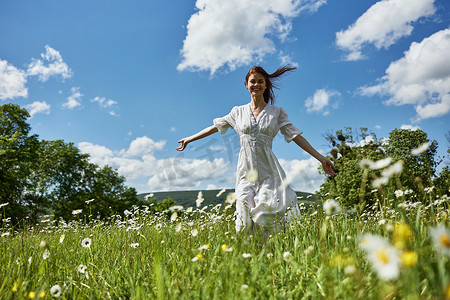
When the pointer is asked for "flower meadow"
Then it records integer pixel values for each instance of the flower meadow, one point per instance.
(392, 249)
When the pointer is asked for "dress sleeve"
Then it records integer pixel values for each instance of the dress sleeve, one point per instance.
(286, 128)
(222, 124)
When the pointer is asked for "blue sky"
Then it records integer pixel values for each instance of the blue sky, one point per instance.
(125, 80)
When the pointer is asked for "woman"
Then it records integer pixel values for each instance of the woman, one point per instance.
(263, 197)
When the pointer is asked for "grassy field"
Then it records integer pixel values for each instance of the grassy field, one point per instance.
(399, 251)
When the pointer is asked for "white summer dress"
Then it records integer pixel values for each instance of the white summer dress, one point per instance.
(269, 201)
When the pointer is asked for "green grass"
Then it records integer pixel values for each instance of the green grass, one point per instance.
(320, 250)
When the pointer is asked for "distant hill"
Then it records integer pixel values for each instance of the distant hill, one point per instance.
(187, 198)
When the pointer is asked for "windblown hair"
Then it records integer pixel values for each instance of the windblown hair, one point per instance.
(269, 96)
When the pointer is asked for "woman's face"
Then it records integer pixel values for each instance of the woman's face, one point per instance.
(256, 84)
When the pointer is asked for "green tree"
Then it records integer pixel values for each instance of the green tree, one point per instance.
(17, 152)
(38, 177)
(418, 170)
(353, 183)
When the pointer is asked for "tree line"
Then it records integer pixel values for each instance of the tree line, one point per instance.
(405, 163)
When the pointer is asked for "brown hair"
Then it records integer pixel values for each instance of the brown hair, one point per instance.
(269, 96)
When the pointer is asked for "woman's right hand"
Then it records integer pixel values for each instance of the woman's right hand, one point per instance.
(184, 142)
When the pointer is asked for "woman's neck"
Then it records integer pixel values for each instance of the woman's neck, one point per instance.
(257, 102)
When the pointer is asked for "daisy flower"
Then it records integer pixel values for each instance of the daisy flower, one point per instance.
(173, 217)
(46, 254)
(252, 175)
(197, 257)
(194, 232)
(86, 243)
(231, 198)
(398, 193)
(246, 255)
(204, 247)
(221, 192)
(77, 211)
(331, 207)
(61, 238)
(178, 227)
(82, 268)
(441, 238)
(421, 149)
(134, 245)
(385, 260)
(225, 248)
(55, 291)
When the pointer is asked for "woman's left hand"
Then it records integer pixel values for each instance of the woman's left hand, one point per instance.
(328, 167)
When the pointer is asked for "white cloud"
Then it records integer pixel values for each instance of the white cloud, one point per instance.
(237, 32)
(51, 64)
(303, 174)
(38, 108)
(382, 25)
(320, 101)
(409, 127)
(12, 81)
(138, 164)
(103, 102)
(74, 100)
(420, 78)
(142, 146)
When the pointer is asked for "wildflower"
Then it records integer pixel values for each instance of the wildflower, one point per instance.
(382, 222)
(89, 201)
(82, 268)
(365, 163)
(31, 295)
(194, 232)
(384, 258)
(252, 175)
(221, 192)
(127, 213)
(407, 192)
(350, 269)
(4, 204)
(178, 227)
(379, 182)
(231, 198)
(200, 199)
(225, 248)
(197, 257)
(176, 208)
(381, 164)
(5, 234)
(42, 294)
(55, 291)
(134, 245)
(429, 189)
(393, 169)
(77, 211)
(43, 244)
(148, 196)
(174, 217)
(204, 247)
(244, 287)
(409, 258)
(368, 242)
(269, 255)
(246, 255)
(189, 209)
(46, 254)
(61, 238)
(158, 226)
(441, 238)
(287, 256)
(86, 243)
(15, 287)
(421, 149)
(402, 234)
(331, 207)
(398, 193)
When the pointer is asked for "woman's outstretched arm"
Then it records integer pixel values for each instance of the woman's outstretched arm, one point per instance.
(204, 133)
(327, 165)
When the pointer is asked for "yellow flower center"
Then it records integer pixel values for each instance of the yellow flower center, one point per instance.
(444, 239)
(382, 255)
